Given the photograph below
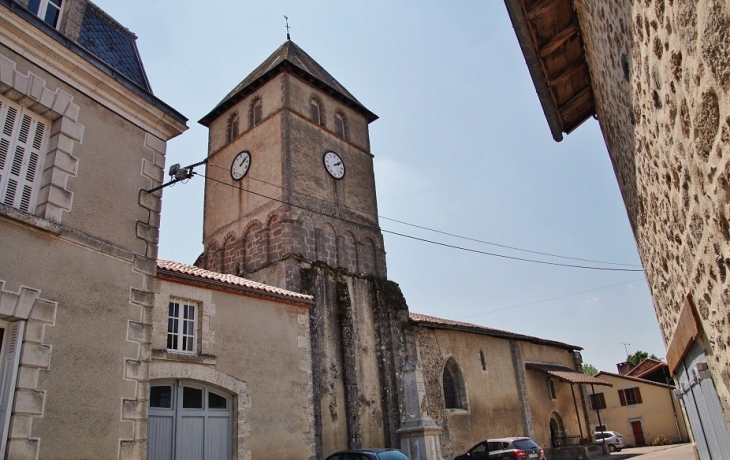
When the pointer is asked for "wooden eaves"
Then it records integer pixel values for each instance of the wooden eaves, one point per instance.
(550, 39)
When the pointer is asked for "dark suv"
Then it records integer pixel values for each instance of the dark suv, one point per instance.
(505, 448)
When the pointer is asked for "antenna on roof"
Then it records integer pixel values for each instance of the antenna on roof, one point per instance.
(287, 28)
(626, 347)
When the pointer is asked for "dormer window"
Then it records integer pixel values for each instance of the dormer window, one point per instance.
(316, 110)
(340, 125)
(48, 10)
(255, 112)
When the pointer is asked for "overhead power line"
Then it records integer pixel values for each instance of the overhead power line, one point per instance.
(550, 299)
(441, 232)
(557, 264)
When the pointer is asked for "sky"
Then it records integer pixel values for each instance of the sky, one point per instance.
(461, 146)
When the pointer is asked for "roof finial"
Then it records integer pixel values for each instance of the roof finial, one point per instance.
(287, 28)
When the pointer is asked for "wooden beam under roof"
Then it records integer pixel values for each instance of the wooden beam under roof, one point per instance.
(565, 73)
(539, 8)
(576, 101)
(555, 42)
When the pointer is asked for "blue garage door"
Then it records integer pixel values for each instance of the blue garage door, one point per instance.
(188, 421)
(697, 390)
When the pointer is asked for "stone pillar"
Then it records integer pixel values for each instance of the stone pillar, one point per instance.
(419, 434)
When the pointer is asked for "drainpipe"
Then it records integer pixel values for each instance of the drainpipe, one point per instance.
(674, 410)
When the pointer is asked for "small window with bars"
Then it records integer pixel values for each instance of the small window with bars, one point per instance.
(315, 109)
(255, 112)
(232, 127)
(23, 139)
(341, 125)
(181, 326)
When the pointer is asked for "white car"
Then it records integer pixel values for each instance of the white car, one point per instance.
(613, 438)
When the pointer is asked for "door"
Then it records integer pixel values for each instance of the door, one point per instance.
(11, 340)
(638, 431)
(697, 389)
(188, 421)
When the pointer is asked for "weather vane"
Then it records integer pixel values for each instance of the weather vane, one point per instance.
(287, 28)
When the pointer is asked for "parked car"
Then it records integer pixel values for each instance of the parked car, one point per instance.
(369, 454)
(613, 438)
(505, 448)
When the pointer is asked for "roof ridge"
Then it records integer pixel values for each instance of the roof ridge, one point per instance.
(454, 323)
(226, 278)
(302, 65)
(630, 377)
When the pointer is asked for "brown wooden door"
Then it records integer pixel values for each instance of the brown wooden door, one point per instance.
(638, 433)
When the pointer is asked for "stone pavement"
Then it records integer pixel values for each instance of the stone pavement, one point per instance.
(671, 452)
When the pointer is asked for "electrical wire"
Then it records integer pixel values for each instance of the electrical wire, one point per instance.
(557, 264)
(550, 299)
(454, 235)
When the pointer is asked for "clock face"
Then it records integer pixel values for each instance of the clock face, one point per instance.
(240, 165)
(334, 165)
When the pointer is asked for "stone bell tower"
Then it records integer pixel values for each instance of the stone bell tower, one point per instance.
(290, 201)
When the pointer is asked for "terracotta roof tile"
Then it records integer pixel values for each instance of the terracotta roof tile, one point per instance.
(232, 280)
(647, 364)
(458, 325)
(635, 379)
(565, 373)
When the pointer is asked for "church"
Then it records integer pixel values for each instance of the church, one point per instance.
(285, 338)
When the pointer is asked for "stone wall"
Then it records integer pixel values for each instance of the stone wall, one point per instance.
(358, 352)
(314, 237)
(661, 76)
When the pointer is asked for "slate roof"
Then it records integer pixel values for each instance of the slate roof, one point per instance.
(112, 43)
(440, 323)
(229, 280)
(289, 57)
(565, 373)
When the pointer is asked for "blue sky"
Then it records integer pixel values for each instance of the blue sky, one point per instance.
(461, 146)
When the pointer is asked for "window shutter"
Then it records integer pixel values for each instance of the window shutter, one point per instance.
(638, 395)
(9, 370)
(22, 140)
(621, 397)
(602, 403)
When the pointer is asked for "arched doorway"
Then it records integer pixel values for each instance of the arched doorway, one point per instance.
(557, 430)
(188, 420)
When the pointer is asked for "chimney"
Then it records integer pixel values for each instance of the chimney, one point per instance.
(623, 368)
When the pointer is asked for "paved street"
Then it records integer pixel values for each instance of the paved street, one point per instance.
(673, 452)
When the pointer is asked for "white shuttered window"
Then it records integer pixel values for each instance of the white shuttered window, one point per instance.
(23, 139)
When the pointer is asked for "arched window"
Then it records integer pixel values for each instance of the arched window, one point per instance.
(255, 112)
(316, 110)
(232, 127)
(453, 383)
(551, 389)
(341, 124)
